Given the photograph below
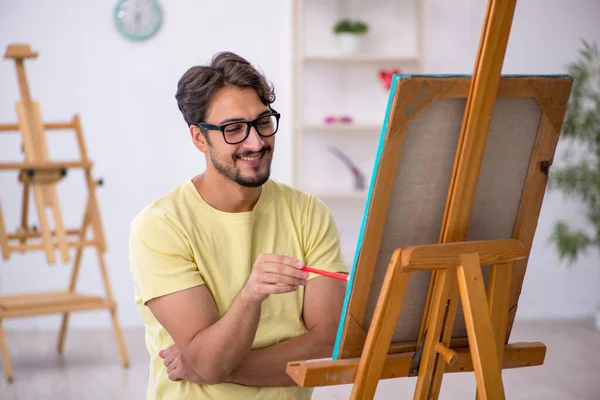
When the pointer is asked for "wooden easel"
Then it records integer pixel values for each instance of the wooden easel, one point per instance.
(39, 175)
(454, 263)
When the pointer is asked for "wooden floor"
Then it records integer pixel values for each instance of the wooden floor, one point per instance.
(90, 368)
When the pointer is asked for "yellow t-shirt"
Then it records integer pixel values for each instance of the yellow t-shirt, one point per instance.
(179, 241)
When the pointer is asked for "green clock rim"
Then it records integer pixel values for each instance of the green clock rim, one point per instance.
(151, 32)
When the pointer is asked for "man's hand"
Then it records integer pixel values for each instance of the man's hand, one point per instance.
(271, 274)
(177, 367)
(274, 274)
(266, 366)
(212, 345)
(323, 302)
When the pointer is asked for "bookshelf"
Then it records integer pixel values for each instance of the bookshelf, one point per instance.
(328, 82)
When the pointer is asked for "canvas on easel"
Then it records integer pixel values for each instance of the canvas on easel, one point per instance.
(519, 150)
(510, 189)
(453, 206)
(39, 175)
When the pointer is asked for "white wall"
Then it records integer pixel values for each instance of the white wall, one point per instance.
(135, 134)
(124, 93)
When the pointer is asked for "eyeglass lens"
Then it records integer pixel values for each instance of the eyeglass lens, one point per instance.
(236, 132)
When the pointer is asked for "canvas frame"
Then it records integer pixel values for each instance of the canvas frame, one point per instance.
(410, 96)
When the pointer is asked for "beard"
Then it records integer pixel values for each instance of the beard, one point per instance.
(232, 172)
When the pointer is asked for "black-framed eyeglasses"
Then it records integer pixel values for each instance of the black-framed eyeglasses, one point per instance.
(236, 132)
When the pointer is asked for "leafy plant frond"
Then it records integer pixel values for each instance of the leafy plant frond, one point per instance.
(569, 243)
(580, 178)
(582, 119)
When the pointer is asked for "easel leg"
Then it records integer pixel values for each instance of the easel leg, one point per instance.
(498, 297)
(65, 317)
(438, 318)
(94, 220)
(113, 311)
(4, 245)
(380, 334)
(61, 235)
(44, 228)
(63, 333)
(25, 212)
(5, 358)
(440, 364)
(74, 274)
(482, 340)
(93, 202)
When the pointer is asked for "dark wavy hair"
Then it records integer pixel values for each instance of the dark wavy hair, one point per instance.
(199, 84)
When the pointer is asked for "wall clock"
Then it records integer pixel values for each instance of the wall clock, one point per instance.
(138, 19)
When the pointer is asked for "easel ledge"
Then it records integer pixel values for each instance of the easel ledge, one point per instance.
(483, 352)
(329, 372)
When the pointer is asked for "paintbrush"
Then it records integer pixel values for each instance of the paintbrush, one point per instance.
(334, 275)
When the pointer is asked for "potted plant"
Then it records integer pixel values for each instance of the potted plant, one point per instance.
(580, 177)
(349, 34)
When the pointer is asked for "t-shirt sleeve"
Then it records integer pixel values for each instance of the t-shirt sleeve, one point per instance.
(160, 257)
(322, 242)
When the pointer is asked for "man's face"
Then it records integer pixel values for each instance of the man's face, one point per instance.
(247, 163)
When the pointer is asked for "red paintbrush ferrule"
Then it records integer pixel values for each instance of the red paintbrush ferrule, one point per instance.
(334, 275)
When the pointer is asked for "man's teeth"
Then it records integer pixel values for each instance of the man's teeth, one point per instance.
(251, 158)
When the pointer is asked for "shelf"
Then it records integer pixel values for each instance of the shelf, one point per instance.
(360, 58)
(327, 80)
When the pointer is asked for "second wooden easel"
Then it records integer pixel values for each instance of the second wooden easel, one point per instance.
(38, 174)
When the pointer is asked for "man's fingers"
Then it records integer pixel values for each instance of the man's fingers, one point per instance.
(285, 260)
(169, 358)
(274, 278)
(285, 270)
(278, 289)
(175, 375)
(171, 367)
(165, 352)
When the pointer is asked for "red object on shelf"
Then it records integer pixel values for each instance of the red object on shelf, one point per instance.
(386, 77)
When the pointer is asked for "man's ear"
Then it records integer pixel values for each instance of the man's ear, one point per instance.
(198, 138)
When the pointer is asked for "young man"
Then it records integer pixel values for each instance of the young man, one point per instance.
(216, 261)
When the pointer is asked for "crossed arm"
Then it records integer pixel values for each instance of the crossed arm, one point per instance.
(219, 350)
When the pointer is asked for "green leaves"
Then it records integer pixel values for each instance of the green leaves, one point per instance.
(349, 26)
(580, 178)
(569, 243)
(582, 119)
